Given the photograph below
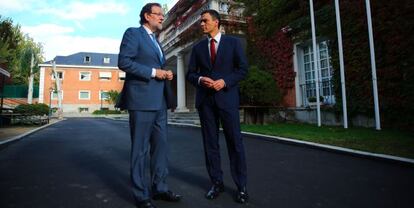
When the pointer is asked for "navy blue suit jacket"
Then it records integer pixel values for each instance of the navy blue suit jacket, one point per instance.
(230, 65)
(137, 56)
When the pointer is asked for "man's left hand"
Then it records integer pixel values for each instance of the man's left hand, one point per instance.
(219, 84)
(169, 75)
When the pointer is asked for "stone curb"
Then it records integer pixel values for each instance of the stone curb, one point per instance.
(15, 138)
(320, 146)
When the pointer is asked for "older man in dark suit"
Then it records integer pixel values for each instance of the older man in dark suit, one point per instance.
(216, 66)
(147, 96)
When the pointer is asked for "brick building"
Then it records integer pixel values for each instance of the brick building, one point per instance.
(85, 78)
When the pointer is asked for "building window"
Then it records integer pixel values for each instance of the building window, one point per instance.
(107, 60)
(308, 74)
(103, 95)
(84, 95)
(87, 59)
(224, 7)
(85, 76)
(59, 74)
(55, 95)
(105, 75)
(121, 76)
(83, 109)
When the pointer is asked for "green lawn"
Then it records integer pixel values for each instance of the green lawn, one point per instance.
(390, 142)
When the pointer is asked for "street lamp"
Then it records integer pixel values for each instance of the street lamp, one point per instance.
(50, 103)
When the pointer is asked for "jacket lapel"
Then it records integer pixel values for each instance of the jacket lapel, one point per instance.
(149, 41)
(205, 50)
(220, 49)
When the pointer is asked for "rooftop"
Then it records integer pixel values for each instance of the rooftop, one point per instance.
(87, 59)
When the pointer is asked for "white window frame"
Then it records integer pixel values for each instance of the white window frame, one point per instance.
(85, 59)
(105, 78)
(89, 77)
(100, 94)
(224, 7)
(63, 75)
(107, 60)
(83, 91)
(55, 95)
(307, 77)
(121, 75)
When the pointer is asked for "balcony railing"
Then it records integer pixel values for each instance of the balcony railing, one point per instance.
(325, 90)
(183, 26)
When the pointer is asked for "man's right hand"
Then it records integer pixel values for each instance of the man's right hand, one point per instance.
(161, 74)
(206, 82)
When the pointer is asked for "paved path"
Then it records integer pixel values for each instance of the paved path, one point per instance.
(85, 163)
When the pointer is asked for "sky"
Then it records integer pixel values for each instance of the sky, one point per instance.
(65, 27)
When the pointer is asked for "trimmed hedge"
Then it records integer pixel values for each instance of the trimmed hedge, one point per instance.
(103, 112)
(32, 109)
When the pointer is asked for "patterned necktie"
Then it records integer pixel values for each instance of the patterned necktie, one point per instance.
(157, 46)
(212, 50)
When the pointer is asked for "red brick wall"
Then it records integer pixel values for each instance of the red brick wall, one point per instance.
(71, 84)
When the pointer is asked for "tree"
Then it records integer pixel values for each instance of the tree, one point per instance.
(9, 40)
(16, 49)
(259, 89)
(113, 96)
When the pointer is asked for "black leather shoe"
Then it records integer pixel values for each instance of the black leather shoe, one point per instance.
(167, 196)
(145, 204)
(242, 196)
(215, 191)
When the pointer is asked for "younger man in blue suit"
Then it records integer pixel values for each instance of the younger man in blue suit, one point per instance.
(216, 66)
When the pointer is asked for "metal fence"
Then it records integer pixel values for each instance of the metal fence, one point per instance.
(19, 91)
(325, 90)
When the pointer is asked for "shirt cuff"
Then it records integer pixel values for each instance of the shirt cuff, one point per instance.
(199, 79)
(153, 73)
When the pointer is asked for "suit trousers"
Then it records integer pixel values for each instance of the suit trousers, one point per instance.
(210, 117)
(148, 136)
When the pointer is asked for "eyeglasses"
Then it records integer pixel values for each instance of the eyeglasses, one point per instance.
(158, 14)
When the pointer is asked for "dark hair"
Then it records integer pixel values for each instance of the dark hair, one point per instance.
(147, 9)
(214, 14)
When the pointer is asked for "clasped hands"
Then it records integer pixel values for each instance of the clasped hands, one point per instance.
(163, 74)
(217, 85)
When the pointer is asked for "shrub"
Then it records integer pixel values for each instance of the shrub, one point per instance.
(103, 112)
(259, 89)
(32, 109)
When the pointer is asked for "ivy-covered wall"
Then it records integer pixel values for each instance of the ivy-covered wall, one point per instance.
(393, 24)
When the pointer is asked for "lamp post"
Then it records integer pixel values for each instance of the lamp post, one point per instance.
(50, 103)
(101, 99)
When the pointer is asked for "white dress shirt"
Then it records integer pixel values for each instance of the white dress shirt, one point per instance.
(154, 71)
(217, 40)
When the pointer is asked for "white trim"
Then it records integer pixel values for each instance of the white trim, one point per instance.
(121, 74)
(297, 79)
(107, 60)
(89, 94)
(87, 61)
(80, 66)
(90, 75)
(105, 76)
(42, 85)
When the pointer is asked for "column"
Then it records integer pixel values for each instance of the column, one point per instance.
(181, 107)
